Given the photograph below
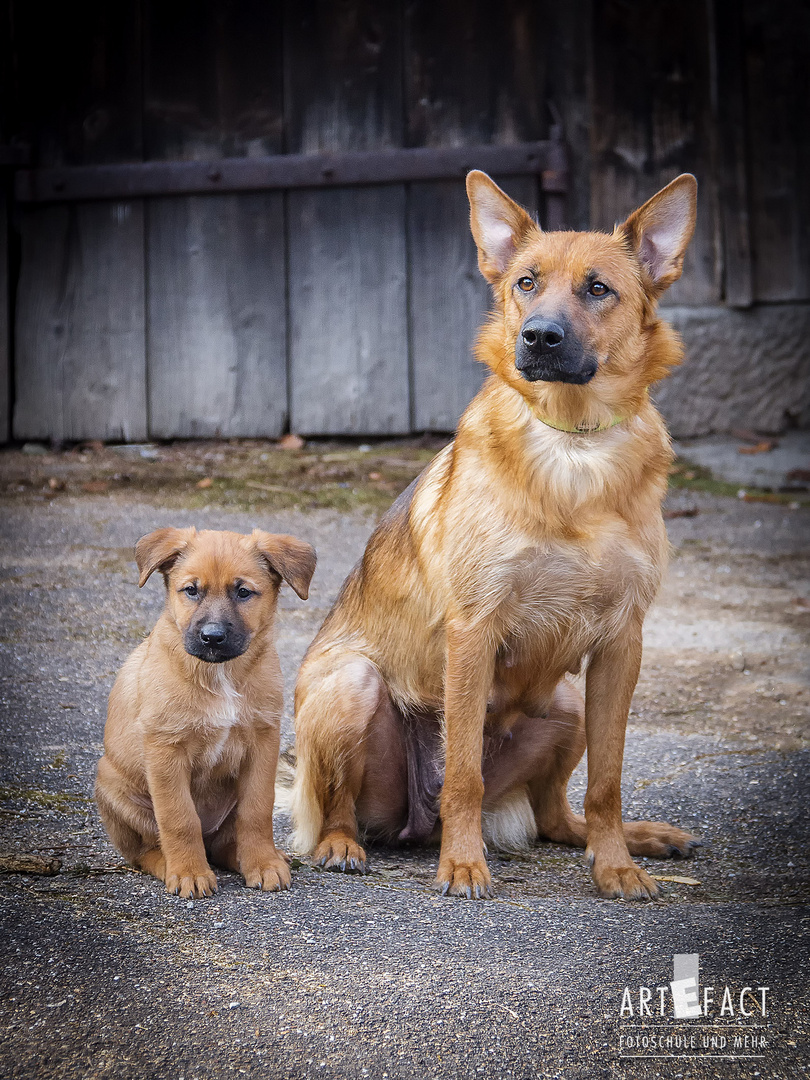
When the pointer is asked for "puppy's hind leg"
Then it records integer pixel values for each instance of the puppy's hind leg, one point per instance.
(130, 825)
(335, 707)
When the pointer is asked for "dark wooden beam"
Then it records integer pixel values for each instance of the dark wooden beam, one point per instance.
(289, 171)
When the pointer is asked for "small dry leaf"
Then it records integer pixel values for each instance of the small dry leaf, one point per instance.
(95, 487)
(686, 511)
(675, 878)
(206, 482)
(760, 448)
(291, 442)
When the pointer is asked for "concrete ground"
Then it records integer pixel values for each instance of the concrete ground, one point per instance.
(778, 463)
(103, 975)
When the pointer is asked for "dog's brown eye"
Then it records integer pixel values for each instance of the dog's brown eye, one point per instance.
(192, 591)
(598, 288)
(243, 593)
(525, 284)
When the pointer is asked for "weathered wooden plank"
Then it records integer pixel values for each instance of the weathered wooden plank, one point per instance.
(474, 72)
(7, 156)
(733, 202)
(80, 370)
(777, 45)
(567, 29)
(448, 299)
(347, 258)
(348, 327)
(77, 76)
(5, 325)
(280, 172)
(651, 119)
(213, 79)
(215, 265)
(217, 352)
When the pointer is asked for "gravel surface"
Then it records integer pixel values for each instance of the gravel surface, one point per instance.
(105, 976)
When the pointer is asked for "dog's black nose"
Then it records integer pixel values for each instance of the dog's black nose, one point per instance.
(542, 335)
(213, 633)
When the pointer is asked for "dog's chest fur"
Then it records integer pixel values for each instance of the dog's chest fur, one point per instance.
(560, 601)
(220, 741)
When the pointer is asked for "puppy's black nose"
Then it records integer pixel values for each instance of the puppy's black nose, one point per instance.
(542, 335)
(213, 633)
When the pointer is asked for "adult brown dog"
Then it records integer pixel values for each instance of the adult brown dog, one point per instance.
(192, 735)
(533, 541)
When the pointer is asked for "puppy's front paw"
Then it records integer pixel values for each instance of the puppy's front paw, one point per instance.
(269, 875)
(628, 882)
(192, 884)
(470, 879)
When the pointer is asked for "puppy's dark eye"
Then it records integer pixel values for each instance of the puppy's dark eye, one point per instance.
(598, 288)
(191, 591)
(525, 284)
(242, 593)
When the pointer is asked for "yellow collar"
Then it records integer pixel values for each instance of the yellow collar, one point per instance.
(579, 429)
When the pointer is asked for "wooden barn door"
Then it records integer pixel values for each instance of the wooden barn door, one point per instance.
(215, 264)
(80, 321)
(347, 270)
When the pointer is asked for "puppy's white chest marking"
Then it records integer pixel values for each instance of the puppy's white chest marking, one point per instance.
(225, 712)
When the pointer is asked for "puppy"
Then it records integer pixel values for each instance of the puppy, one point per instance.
(192, 735)
(532, 545)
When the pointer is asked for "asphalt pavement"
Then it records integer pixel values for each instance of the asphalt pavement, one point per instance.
(103, 975)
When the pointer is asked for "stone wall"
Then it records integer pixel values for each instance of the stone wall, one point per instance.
(743, 369)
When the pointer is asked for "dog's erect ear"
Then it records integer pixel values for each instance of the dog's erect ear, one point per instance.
(159, 550)
(659, 231)
(498, 224)
(291, 558)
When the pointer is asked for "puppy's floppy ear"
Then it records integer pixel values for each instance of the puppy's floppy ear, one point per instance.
(659, 232)
(289, 557)
(498, 224)
(159, 550)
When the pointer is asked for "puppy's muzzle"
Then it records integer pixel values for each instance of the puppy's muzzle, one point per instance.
(215, 642)
(547, 350)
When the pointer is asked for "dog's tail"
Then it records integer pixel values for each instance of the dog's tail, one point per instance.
(297, 795)
(509, 825)
(285, 778)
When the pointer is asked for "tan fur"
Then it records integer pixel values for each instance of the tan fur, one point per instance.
(190, 746)
(522, 552)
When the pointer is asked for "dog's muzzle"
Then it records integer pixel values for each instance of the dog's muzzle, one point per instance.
(548, 351)
(214, 642)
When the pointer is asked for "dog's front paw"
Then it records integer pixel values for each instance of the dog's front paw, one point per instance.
(470, 879)
(192, 884)
(269, 875)
(628, 882)
(340, 853)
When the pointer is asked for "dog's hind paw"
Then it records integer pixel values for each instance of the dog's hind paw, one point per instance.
(658, 840)
(340, 853)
